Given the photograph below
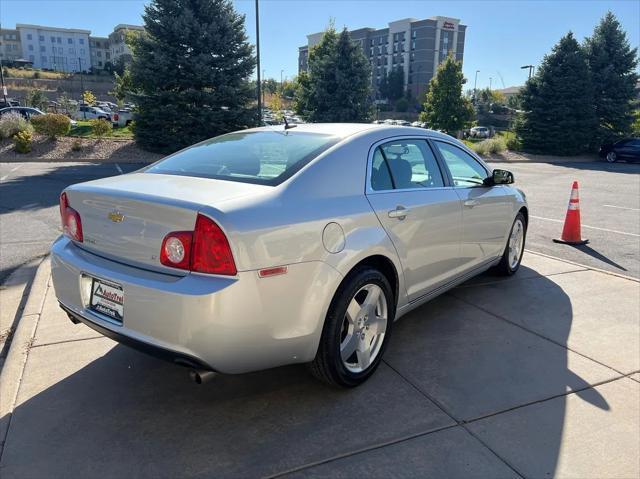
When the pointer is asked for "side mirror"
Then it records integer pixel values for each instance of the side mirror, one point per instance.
(499, 177)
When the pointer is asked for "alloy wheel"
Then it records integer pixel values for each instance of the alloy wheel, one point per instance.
(611, 157)
(516, 243)
(363, 328)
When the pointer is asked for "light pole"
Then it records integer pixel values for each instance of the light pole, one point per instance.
(4, 88)
(530, 67)
(258, 64)
(475, 90)
(490, 81)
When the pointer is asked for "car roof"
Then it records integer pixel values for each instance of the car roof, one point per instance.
(345, 130)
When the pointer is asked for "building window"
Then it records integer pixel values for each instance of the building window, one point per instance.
(81, 41)
(69, 41)
(82, 52)
(30, 48)
(107, 55)
(413, 45)
(41, 38)
(414, 34)
(59, 40)
(99, 54)
(413, 56)
(72, 51)
(53, 39)
(60, 51)
(43, 48)
(43, 59)
(29, 36)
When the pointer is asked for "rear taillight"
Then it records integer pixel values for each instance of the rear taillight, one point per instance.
(205, 250)
(71, 223)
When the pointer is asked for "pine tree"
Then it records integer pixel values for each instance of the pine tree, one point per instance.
(612, 63)
(558, 103)
(445, 107)
(392, 85)
(336, 87)
(190, 73)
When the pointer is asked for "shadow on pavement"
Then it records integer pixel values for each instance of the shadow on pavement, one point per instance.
(599, 256)
(90, 409)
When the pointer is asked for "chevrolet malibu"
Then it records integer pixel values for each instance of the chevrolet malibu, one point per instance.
(274, 246)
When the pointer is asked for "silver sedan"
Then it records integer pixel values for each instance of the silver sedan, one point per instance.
(274, 246)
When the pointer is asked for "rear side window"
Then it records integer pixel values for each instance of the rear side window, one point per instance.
(261, 157)
(405, 164)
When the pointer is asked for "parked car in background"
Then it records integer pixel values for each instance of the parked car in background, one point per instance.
(479, 132)
(26, 111)
(402, 123)
(627, 149)
(233, 255)
(121, 118)
(419, 124)
(8, 103)
(91, 113)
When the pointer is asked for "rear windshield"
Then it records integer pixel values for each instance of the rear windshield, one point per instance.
(262, 157)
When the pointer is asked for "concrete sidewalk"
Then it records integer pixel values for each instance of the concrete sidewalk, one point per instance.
(532, 376)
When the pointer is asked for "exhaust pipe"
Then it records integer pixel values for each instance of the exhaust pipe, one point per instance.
(201, 376)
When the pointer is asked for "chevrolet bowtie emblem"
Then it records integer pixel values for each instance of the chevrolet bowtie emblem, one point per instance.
(116, 216)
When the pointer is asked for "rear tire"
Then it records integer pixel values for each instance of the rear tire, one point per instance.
(356, 330)
(514, 250)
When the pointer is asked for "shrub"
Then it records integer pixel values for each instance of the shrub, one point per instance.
(490, 146)
(76, 145)
(100, 127)
(22, 141)
(52, 125)
(36, 75)
(513, 143)
(13, 123)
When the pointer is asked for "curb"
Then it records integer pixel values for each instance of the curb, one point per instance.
(14, 364)
(611, 273)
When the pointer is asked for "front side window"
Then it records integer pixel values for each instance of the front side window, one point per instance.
(261, 157)
(464, 168)
(405, 164)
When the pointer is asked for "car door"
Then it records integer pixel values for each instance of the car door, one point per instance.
(420, 212)
(486, 210)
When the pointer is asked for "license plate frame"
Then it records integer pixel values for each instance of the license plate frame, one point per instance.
(107, 299)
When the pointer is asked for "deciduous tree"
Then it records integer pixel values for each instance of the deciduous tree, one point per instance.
(445, 107)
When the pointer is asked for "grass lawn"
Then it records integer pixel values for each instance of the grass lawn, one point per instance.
(83, 130)
(17, 73)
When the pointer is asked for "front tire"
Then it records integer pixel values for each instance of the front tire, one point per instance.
(356, 330)
(512, 256)
(611, 157)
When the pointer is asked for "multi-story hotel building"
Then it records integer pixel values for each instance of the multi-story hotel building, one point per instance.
(415, 46)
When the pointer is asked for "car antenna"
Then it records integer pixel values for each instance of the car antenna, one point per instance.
(286, 123)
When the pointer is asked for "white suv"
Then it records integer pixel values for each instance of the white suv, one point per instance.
(90, 113)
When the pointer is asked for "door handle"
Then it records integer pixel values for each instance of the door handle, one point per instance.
(471, 203)
(400, 212)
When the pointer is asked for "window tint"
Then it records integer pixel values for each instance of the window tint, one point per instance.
(464, 168)
(262, 157)
(411, 163)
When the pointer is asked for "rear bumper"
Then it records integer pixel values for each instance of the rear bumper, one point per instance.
(227, 324)
(147, 348)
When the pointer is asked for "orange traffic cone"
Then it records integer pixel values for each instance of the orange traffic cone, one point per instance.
(571, 231)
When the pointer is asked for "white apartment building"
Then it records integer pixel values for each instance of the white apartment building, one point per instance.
(62, 49)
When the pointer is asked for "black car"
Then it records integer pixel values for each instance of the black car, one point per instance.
(25, 111)
(627, 149)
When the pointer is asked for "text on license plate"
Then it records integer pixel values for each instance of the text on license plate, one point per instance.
(107, 298)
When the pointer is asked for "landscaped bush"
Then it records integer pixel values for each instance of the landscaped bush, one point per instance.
(76, 145)
(52, 125)
(402, 105)
(490, 146)
(513, 143)
(13, 123)
(100, 127)
(22, 141)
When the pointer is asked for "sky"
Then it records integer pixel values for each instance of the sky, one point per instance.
(501, 35)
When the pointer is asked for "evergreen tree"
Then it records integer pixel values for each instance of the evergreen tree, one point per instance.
(336, 87)
(392, 85)
(190, 73)
(445, 107)
(558, 106)
(612, 63)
